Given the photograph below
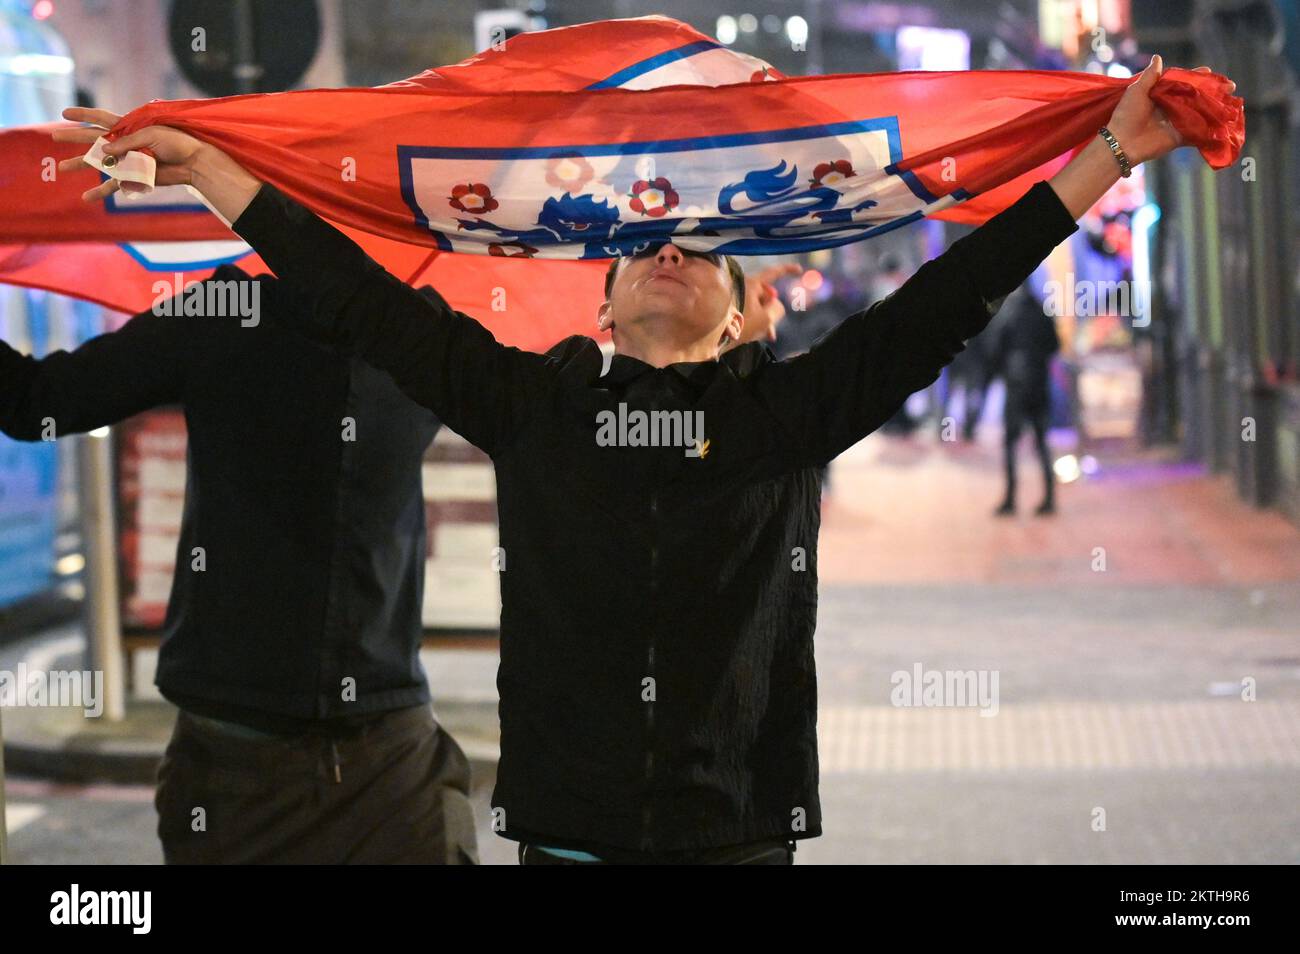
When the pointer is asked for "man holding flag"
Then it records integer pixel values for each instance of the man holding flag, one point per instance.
(658, 695)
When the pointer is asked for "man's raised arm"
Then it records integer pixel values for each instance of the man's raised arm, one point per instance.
(439, 357)
(856, 377)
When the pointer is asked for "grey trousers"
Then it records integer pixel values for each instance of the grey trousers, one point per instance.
(392, 791)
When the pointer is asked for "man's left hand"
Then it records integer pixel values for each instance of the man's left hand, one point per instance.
(1141, 127)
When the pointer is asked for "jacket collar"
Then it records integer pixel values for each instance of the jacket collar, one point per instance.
(741, 360)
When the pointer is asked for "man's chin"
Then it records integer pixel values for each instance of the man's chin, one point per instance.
(672, 298)
(661, 320)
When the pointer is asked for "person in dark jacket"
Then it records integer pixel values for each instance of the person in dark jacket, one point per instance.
(658, 693)
(305, 732)
(1023, 345)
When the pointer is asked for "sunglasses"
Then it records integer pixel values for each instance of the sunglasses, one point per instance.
(654, 247)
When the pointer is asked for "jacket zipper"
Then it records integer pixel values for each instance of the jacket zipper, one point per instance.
(647, 840)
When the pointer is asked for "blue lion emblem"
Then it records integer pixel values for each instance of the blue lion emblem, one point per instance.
(569, 218)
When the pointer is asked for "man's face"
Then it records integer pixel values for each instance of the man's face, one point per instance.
(667, 290)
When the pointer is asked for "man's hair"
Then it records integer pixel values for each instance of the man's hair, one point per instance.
(733, 269)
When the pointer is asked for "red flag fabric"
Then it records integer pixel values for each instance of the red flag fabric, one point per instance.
(128, 254)
(576, 159)
(584, 142)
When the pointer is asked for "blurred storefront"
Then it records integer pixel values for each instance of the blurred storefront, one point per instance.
(1225, 259)
(1201, 346)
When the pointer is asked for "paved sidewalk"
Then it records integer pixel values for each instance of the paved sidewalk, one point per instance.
(916, 510)
(1120, 691)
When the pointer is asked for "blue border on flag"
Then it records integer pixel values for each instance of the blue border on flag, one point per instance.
(653, 63)
(158, 267)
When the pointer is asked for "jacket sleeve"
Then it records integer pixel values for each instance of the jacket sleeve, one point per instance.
(441, 358)
(111, 377)
(857, 376)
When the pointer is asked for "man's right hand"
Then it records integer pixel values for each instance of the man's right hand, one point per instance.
(181, 159)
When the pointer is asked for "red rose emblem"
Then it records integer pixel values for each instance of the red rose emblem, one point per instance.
(831, 173)
(654, 197)
(473, 197)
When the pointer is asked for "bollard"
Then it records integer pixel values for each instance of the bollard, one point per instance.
(103, 625)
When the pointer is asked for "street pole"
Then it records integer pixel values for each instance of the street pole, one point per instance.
(246, 70)
(814, 11)
(4, 846)
(103, 625)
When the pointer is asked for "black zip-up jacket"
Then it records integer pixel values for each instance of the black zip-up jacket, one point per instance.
(313, 544)
(656, 683)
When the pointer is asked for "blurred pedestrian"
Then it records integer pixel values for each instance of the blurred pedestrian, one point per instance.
(1022, 349)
